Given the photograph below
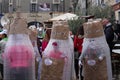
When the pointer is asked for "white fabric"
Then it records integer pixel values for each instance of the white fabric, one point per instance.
(37, 58)
(20, 60)
(66, 47)
(101, 44)
(117, 44)
(66, 16)
(117, 51)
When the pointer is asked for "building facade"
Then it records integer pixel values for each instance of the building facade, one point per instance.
(36, 9)
(83, 5)
(45, 9)
(116, 8)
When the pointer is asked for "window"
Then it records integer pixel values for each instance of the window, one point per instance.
(34, 7)
(56, 1)
(10, 2)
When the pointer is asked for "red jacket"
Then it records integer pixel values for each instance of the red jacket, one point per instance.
(78, 43)
(44, 44)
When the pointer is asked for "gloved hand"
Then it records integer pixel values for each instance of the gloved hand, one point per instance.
(38, 59)
(80, 63)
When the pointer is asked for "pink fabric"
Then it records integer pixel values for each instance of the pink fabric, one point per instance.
(44, 44)
(56, 55)
(19, 56)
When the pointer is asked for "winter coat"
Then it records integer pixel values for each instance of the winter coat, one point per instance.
(109, 34)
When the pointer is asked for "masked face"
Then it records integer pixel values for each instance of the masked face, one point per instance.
(32, 27)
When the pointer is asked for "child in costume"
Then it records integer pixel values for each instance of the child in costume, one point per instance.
(19, 53)
(58, 56)
(95, 55)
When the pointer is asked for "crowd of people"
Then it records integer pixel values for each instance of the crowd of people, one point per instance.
(77, 41)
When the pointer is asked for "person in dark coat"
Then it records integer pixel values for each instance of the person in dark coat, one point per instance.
(109, 33)
(117, 29)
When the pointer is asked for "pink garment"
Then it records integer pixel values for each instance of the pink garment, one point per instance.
(44, 44)
(19, 56)
(56, 55)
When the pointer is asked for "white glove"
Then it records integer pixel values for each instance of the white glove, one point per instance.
(38, 59)
(79, 63)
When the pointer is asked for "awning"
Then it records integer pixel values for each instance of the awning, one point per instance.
(66, 16)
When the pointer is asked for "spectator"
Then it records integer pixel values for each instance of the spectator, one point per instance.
(117, 29)
(78, 40)
(109, 33)
(3, 36)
